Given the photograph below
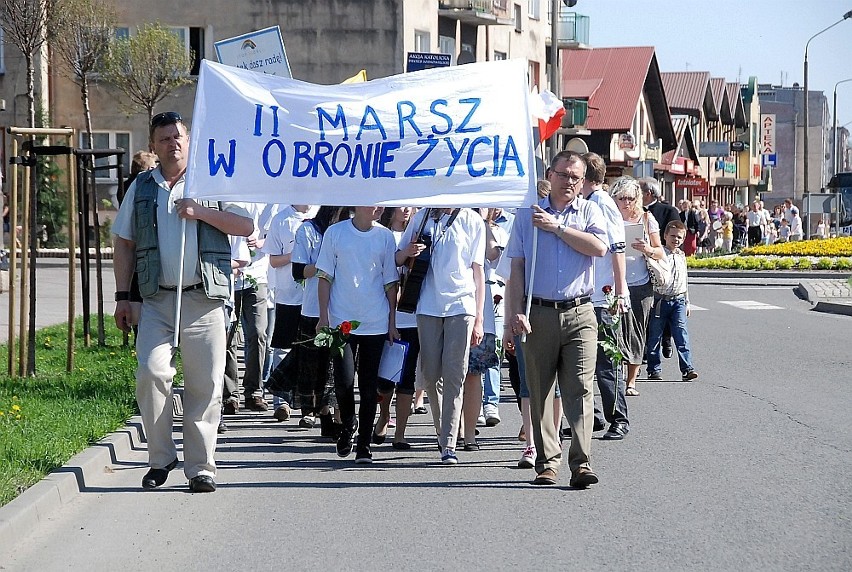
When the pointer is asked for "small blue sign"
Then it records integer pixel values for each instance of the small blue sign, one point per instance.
(769, 160)
(418, 61)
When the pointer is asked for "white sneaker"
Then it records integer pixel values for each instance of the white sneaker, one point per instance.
(527, 458)
(492, 415)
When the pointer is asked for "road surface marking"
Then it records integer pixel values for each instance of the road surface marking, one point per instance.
(693, 308)
(750, 305)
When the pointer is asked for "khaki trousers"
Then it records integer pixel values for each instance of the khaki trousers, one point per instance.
(444, 351)
(202, 348)
(563, 348)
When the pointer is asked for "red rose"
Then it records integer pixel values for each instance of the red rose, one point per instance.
(607, 289)
(345, 328)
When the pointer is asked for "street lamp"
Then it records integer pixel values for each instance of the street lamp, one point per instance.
(555, 68)
(805, 170)
(835, 139)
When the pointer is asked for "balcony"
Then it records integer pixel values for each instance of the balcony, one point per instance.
(477, 12)
(572, 31)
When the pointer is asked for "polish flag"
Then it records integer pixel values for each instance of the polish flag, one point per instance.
(548, 109)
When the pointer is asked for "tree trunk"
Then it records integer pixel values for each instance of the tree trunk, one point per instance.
(30, 90)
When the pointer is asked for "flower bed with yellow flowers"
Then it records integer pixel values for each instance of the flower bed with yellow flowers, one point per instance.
(829, 247)
(826, 254)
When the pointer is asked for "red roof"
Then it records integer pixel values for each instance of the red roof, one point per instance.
(685, 91)
(621, 73)
(717, 85)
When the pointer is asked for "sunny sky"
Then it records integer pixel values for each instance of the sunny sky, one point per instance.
(736, 39)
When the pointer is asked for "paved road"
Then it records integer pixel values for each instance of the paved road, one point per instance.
(52, 296)
(743, 469)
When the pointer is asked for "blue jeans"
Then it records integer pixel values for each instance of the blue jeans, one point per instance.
(610, 385)
(673, 313)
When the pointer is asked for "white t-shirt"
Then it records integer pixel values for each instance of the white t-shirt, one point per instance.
(361, 264)
(306, 249)
(280, 240)
(403, 319)
(615, 243)
(448, 287)
(258, 267)
(636, 268)
(169, 229)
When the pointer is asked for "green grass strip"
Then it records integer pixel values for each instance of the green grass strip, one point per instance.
(47, 419)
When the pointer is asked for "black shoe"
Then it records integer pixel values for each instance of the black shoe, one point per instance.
(473, 446)
(156, 477)
(328, 428)
(655, 376)
(617, 432)
(598, 425)
(667, 350)
(222, 427)
(419, 410)
(344, 440)
(202, 484)
(363, 456)
(566, 432)
(379, 439)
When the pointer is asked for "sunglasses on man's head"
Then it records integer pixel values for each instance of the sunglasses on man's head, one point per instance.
(165, 118)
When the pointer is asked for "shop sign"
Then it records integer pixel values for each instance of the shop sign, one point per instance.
(694, 186)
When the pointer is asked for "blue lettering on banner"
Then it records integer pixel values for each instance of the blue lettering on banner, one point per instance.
(218, 161)
(409, 118)
(339, 121)
(376, 125)
(282, 157)
(413, 171)
(378, 159)
(474, 101)
(441, 114)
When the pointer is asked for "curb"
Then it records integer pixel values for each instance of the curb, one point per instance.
(807, 291)
(20, 517)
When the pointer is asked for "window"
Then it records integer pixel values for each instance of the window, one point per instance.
(422, 42)
(501, 4)
(498, 56)
(121, 32)
(447, 45)
(193, 40)
(519, 22)
(109, 140)
(534, 11)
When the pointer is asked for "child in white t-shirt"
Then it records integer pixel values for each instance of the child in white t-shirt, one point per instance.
(358, 282)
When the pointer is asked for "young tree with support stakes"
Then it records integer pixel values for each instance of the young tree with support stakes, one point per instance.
(28, 25)
(148, 66)
(83, 43)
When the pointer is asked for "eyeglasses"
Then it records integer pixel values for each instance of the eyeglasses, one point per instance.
(567, 177)
(165, 118)
(626, 199)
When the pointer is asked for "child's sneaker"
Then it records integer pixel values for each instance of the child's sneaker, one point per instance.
(527, 458)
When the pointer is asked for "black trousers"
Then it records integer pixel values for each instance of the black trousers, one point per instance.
(363, 352)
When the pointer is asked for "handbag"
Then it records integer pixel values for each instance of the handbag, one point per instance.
(659, 270)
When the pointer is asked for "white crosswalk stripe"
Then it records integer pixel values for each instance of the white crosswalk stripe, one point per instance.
(750, 305)
(694, 308)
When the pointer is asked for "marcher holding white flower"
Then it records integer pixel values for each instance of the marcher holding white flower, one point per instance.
(628, 196)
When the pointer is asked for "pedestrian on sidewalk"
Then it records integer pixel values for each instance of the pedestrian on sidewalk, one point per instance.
(147, 237)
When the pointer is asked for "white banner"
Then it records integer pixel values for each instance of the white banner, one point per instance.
(444, 137)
